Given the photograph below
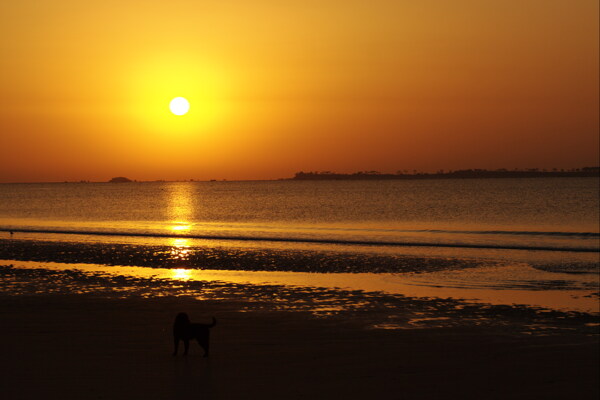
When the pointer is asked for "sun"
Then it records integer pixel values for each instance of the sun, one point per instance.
(179, 106)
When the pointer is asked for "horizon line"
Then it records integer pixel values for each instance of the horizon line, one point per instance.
(365, 172)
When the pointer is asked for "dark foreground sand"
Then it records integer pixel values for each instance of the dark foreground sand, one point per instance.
(89, 347)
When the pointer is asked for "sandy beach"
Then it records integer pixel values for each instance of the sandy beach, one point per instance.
(94, 346)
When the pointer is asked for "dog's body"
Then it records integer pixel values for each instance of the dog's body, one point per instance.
(184, 330)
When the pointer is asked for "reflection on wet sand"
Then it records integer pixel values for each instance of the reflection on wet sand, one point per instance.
(501, 285)
(322, 295)
(180, 274)
(180, 249)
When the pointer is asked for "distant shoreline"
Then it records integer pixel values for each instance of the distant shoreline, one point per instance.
(589, 172)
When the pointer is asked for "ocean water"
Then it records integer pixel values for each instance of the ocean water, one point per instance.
(496, 241)
(539, 214)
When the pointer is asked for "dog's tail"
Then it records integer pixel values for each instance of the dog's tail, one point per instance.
(213, 323)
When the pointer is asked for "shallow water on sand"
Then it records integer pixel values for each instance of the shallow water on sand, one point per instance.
(382, 301)
(551, 280)
(517, 284)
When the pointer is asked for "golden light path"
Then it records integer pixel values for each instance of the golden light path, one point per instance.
(181, 208)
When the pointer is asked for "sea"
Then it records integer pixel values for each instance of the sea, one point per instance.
(527, 241)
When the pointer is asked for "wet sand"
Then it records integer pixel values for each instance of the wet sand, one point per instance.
(70, 332)
(67, 346)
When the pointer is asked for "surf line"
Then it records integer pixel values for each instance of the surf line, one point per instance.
(308, 240)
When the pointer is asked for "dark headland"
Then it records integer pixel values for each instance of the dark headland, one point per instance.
(120, 179)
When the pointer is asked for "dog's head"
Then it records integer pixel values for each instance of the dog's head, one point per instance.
(182, 319)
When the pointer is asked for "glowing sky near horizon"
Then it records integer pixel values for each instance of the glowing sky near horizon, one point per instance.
(279, 87)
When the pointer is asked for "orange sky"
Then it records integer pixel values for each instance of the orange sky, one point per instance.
(281, 86)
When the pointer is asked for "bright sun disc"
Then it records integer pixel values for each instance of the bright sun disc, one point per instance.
(179, 106)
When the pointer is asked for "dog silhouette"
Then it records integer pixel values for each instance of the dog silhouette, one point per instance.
(184, 330)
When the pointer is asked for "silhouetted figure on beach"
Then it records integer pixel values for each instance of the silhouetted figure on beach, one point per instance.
(184, 330)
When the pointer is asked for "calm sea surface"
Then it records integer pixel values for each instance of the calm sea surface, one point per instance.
(499, 241)
(552, 214)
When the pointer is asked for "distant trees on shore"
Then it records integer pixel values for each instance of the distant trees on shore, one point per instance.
(458, 174)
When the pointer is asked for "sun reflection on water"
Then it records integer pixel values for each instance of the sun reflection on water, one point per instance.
(180, 228)
(181, 274)
(181, 249)
(181, 207)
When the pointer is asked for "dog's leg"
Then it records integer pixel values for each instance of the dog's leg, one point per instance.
(186, 346)
(176, 345)
(204, 343)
